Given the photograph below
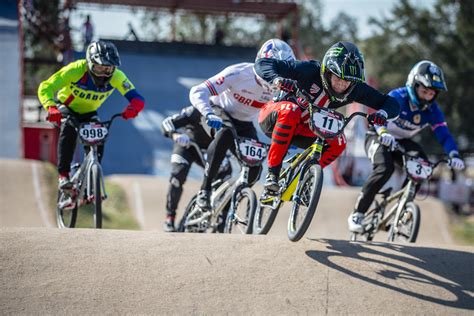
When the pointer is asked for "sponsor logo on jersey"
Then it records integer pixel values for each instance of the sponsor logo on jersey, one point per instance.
(126, 85)
(314, 89)
(417, 119)
(220, 80)
(248, 101)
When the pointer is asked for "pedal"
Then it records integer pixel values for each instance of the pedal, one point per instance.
(66, 204)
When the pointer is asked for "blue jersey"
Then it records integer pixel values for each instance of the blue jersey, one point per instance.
(411, 120)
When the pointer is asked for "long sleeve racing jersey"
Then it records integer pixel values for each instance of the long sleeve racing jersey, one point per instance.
(307, 74)
(412, 120)
(236, 89)
(73, 86)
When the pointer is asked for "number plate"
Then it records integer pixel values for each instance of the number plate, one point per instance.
(327, 122)
(93, 132)
(419, 169)
(252, 150)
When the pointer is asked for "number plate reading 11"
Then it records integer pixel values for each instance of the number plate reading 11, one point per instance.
(252, 150)
(419, 169)
(93, 132)
(326, 122)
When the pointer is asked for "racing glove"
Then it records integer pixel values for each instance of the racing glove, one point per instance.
(287, 85)
(213, 121)
(132, 110)
(54, 115)
(181, 139)
(378, 118)
(455, 162)
(387, 139)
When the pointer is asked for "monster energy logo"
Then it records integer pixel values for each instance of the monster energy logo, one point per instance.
(334, 52)
(352, 70)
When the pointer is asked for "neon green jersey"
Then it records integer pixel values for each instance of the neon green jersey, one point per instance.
(72, 85)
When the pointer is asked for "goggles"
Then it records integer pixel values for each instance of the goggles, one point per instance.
(102, 71)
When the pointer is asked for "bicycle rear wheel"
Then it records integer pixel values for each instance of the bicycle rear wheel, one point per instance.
(240, 219)
(405, 228)
(97, 195)
(307, 198)
(181, 226)
(66, 210)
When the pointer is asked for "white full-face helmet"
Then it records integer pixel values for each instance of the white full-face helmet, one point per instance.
(276, 48)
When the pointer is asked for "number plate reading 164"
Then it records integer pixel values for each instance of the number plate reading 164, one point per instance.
(252, 150)
(93, 132)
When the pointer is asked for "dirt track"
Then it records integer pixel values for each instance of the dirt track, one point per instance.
(52, 271)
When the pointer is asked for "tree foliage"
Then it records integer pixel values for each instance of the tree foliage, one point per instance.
(443, 34)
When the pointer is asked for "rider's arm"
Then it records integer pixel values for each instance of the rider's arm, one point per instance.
(127, 89)
(371, 97)
(187, 116)
(269, 69)
(441, 131)
(200, 95)
(63, 77)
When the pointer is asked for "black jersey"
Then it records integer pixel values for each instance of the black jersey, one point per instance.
(307, 74)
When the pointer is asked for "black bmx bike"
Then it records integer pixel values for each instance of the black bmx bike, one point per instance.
(234, 196)
(87, 178)
(402, 220)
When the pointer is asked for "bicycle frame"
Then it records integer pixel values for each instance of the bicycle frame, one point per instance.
(404, 196)
(225, 193)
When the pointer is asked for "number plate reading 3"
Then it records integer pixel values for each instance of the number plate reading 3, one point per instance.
(93, 132)
(252, 150)
(418, 169)
(326, 122)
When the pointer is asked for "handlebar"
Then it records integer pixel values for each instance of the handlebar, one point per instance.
(400, 148)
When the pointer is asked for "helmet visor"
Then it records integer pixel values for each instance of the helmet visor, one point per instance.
(102, 71)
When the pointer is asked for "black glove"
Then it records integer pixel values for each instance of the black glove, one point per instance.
(287, 85)
(378, 118)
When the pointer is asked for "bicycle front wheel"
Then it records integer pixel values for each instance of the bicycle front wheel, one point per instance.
(240, 219)
(305, 202)
(405, 228)
(97, 195)
(66, 210)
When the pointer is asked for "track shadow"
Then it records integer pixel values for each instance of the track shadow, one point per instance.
(393, 266)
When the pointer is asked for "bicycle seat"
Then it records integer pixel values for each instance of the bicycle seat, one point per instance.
(386, 192)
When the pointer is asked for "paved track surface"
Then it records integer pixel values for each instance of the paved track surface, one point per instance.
(52, 271)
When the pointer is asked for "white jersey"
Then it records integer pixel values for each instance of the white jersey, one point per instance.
(236, 89)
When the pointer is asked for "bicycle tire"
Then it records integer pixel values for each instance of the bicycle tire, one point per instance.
(97, 195)
(63, 219)
(188, 209)
(415, 218)
(260, 225)
(296, 232)
(252, 205)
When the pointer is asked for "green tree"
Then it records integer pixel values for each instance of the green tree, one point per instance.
(443, 34)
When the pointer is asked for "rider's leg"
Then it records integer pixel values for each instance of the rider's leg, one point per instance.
(382, 168)
(333, 148)
(223, 140)
(181, 161)
(66, 147)
(281, 119)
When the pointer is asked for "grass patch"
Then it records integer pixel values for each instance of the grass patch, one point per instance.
(463, 229)
(115, 209)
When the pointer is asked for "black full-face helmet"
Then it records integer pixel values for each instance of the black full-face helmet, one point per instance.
(429, 75)
(102, 58)
(345, 61)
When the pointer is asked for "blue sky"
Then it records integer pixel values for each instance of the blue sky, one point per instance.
(114, 23)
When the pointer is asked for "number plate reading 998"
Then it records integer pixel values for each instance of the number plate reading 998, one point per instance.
(93, 132)
(252, 150)
(326, 122)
